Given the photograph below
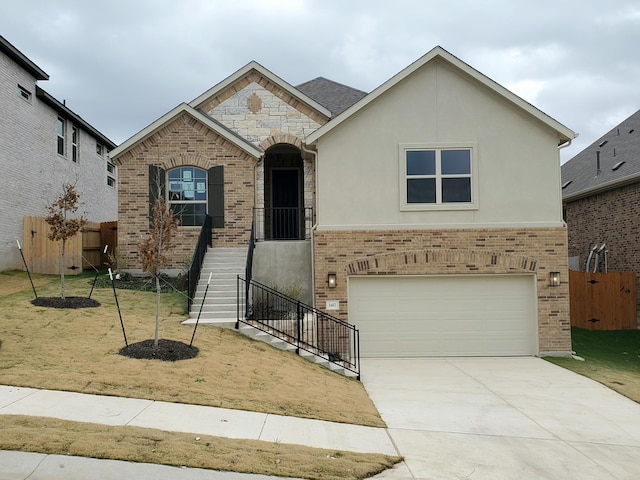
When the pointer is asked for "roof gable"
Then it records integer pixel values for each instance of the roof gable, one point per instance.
(245, 71)
(438, 53)
(202, 118)
(617, 152)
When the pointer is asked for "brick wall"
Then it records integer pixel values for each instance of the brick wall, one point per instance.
(31, 171)
(610, 217)
(427, 252)
(183, 142)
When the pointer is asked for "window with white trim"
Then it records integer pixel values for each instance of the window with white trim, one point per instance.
(111, 172)
(74, 143)
(61, 131)
(437, 177)
(187, 193)
(24, 93)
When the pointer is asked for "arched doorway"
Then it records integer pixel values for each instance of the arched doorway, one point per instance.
(284, 193)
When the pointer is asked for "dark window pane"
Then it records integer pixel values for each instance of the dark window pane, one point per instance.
(456, 190)
(421, 190)
(189, 214)
(188, 183)
(421, 162)
(455, 162)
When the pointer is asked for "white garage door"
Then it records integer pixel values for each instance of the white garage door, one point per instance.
(417, 316)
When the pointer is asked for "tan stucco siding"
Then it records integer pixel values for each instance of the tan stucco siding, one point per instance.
(518, 169)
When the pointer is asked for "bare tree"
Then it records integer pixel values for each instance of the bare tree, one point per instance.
(63, 227)
(152, 250)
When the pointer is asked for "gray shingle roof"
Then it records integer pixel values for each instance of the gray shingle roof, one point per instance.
(334, 96)
(619, 162)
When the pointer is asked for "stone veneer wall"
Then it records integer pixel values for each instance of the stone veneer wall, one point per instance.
(613, 218)
(445, 252)
(184, 142)
(266, 115)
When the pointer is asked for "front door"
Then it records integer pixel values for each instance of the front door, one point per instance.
(285, 198)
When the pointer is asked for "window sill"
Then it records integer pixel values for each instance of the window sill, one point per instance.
(427, 207)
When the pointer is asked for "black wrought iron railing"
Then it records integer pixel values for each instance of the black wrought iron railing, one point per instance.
(283, 223)
(248, 269)
(303, 326)
(195, 267)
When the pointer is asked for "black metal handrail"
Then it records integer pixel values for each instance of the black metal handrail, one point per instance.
(303, 326)
(248, 270)
(283, 223)
(195, 267)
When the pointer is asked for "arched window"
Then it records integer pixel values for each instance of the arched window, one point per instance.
(187, 194)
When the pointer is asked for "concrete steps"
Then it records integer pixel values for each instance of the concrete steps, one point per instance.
(222, 266)
(220, 306)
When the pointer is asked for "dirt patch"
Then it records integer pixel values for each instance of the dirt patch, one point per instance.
(67, 302)
(167, 350)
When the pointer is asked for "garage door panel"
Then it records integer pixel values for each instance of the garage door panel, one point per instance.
(446, 315)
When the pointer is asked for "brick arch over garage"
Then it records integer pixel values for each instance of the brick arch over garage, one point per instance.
(442, 261)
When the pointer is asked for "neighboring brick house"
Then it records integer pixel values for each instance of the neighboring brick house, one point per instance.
(433, 202)
(43, 144)
(601, 195)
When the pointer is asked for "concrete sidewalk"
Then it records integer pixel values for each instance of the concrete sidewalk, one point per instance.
(38, 466)
(175, 417)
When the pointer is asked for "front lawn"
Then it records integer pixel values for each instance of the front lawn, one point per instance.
(77, 350)
(610, 357)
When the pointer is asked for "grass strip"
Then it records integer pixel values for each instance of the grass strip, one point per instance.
(62, 437)
(610, 357)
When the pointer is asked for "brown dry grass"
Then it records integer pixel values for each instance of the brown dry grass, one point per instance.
(77, 350)
(52, 436)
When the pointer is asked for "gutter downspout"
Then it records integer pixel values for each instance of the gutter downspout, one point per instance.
(315, 225)
(560, 147)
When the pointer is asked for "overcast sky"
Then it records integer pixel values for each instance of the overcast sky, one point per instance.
(121, 64)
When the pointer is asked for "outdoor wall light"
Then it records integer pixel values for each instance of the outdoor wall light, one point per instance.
(332, 280)
(554, 279)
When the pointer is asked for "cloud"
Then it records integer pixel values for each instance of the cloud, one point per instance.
(122, 64)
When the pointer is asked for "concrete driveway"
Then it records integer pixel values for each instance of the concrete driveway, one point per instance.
(502, 418)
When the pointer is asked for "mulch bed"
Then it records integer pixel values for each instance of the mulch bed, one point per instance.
(167, 350)
(68, 302)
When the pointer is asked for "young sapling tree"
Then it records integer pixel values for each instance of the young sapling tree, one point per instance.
(62, 226)
(152, 250)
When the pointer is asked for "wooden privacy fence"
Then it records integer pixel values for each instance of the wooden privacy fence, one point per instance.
(603, 301)
(82, 251)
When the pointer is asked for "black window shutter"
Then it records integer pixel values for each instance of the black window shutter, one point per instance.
(216, 196)
(157, 182)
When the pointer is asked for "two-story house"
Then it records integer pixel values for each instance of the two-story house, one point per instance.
(43, 145)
